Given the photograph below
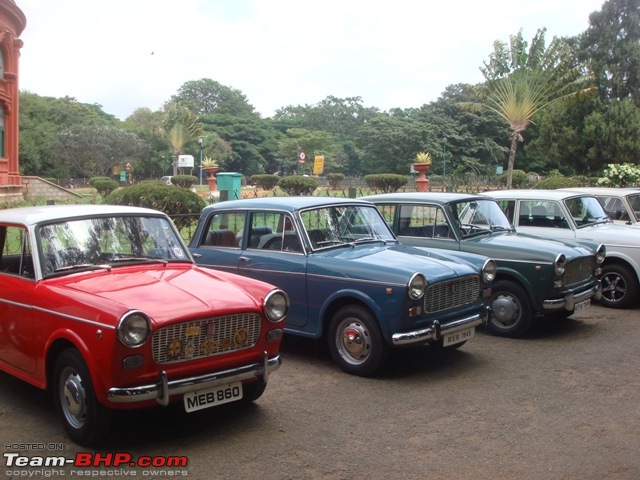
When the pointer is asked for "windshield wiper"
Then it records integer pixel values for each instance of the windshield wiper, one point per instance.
(138, 259)
(469, 230)
(499, 228)
(82, 266)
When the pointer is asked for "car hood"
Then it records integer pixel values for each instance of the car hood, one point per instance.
(520, 246)
(391, 263)
(165, 294)
(608, 233)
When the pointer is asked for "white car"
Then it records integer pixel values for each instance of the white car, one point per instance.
(622, 204)
(566, 214)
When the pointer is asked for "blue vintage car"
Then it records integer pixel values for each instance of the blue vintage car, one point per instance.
(347, 277)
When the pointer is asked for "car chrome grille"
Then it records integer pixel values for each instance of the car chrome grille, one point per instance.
(451, 294)
(206, 338)
(579, 270)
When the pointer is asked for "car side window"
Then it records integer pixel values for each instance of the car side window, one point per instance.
(224, 230)
(426, 221)
(273, 231)
(16, 252)
(509, 208)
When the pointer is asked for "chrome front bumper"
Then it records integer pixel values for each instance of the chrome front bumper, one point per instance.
(569, 301)
(160, 392)
(436, 330)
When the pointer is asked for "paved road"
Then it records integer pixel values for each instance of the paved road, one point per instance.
(563, 403)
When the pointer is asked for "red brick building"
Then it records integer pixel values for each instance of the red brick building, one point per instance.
(12, 23)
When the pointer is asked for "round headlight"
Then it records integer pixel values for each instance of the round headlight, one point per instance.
(417, 285)
(134, 328)
(276, 305)
(560, 264)
(489, 270)
(601, 253)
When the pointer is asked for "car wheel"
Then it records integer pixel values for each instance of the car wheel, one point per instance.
(619, 286)
(252, 391)
(512, 313)
(85, 420)
(355, 341)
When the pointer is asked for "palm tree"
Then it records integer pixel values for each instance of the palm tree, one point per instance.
(186, 126)
(520, 83)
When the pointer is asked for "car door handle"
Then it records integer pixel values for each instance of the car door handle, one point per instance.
(245, 259)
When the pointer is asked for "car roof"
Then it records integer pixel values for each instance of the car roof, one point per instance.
(44, 213)
(284, 203)
(609, 191)
(535, 194)
(435, 197)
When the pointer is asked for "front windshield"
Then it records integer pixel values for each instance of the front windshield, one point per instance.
(586, 211)
(479, 216)
(106, 241)
(634, 201)
(344, 225)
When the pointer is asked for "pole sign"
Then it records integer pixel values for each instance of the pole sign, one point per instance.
(318, 164)
(302, 157)
(185, 161)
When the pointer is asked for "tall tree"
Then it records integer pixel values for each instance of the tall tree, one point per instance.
(207, 96)
(521, 80)
(183, 126)
(611, 47)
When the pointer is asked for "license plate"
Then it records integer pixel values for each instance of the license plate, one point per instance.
(212, 397)
(582, 305)
(457, 337)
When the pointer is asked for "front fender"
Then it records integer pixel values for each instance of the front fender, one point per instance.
(508, 273)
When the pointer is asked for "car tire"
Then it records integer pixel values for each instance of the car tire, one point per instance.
(356, 342)
(512, 314)
(619, 286)
(253, 391)
(84, 418)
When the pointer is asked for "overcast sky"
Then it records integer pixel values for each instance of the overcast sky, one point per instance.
(126, 54)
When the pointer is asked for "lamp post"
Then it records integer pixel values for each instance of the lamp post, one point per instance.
(201, 143)
(444, 162)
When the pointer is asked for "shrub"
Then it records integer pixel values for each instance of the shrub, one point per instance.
(184, 181)
(552, 183)
(334, 179)
(104, 186)
(175, 202)
(266, 181)
(298, 185)
(620, 175)
(92, 180)
(518, 178)
(387, 182)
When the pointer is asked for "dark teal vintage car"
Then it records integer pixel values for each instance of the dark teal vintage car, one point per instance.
(347, 277)
(555, 278)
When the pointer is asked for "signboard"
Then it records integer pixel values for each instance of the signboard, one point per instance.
(302, 157)
(318, 165)
(185, 161)
(499, 170)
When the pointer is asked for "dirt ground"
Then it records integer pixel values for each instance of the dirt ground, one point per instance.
(562, 403)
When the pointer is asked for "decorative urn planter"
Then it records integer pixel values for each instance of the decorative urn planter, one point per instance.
(211, 177)
(422, 182)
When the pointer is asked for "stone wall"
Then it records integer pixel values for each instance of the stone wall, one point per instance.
(36, 187)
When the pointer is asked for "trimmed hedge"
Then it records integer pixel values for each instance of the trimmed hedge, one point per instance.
(552, 183)
(104, 185)
(387, 182)
(335, 179)
(297, 185)
(266, 181)
(184, 181)
(160, 196)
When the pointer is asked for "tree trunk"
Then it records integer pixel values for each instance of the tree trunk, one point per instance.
(512, 158)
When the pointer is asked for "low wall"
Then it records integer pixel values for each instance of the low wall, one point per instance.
(35, 187)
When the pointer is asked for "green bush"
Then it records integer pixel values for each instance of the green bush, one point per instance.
(387, 182)
(335, 179)
(104, 186)
(518, 178)
(551, 183)
(184, 181)
(175, 202)
(92, 180)
(298, 185)
(266, 181)
(620, 175)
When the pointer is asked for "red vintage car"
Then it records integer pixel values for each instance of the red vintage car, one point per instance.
(104, 305)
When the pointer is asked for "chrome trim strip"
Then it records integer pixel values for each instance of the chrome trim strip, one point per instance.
(161, 391)
(58, 314)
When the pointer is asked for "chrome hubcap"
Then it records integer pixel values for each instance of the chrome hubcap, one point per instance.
(353, 341)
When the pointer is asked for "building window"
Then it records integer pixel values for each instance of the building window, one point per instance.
(2, 150)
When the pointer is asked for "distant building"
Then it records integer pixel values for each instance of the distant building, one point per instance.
(12, 23)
